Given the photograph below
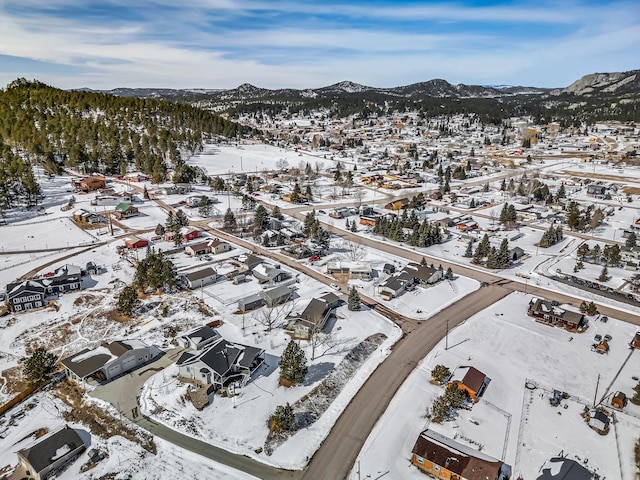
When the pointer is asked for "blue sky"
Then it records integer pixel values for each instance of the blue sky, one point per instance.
(273, 43)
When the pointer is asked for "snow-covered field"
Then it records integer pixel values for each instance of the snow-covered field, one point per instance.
(511, 422)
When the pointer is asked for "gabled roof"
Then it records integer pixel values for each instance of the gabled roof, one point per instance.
(16, 288)
(456, 457)
(469, 376)
(222, 356)
(52, 447)
(200, 274)
(123, 207)
(200, 334)
(276, 292)
(87, 361)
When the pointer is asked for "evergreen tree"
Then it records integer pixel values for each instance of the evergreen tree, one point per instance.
(229, 221)
(127, 300)
(561, 191)
(177, 235)
(282, 419)
(265, 241)
(204, 206)
(440, 373)
(484, 246)
(159, 229)
(631, 240)
(592, 309)
(261, 217)
(596, 252)
(39, 367)
(276, 213)
(449, 274)
(353, 302)
(354, 226)
(503, 259)
(145, 193)
(293, 364)
(636, 395)
(573, 215)
(181, 219)
(296, 194)
(468, 253)
(604, 274)
(583, 251)
(492, 259)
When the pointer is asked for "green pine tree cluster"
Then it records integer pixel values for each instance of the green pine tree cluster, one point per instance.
(551, 236)
(508, 215)
(421, 234)
(282, 419)
(353, 301)
(445, 406)
(155, 271)
(496, 258)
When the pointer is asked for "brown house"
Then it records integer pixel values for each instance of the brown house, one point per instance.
(368, 220)
(470, 380)
(89, 184)
(636, 340)
(399, 204)
(549, 313)
(444, 458)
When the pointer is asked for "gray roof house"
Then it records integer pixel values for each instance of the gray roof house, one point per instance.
(250, 302)
(220, 363)
(201, 278)
(107, 361)
(393, 286)
(277, 295)
(272, 275)
(314, 317)
(51, 452)
(199, 338)
(26, 295)
(249, 262)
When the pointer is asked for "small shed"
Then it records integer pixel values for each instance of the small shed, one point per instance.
(619, 400)
(135, 242)
(599, 421)
(636, 340)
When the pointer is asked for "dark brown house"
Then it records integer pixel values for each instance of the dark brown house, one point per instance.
(549, 313)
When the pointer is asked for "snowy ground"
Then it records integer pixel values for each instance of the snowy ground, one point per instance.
(240, 424)
(510, 347)
(124, 457)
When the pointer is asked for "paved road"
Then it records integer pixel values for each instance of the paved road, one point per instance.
(335, 458)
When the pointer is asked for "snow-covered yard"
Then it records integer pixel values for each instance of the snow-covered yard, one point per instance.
(510, 347)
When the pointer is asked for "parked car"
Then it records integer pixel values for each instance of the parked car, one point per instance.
(604, 319)
(608, 337)
(335, 286)
(597, 338)
(314, 258)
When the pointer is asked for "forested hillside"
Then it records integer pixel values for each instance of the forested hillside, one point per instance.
(94, 132)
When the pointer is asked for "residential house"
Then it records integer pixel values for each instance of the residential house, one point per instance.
(26, 295)
(220, 363)
(393, 286)
(187, 233)
(51, 452)
(547, 312)
(516, 253)
(276, 296)
(249, 262)
(132, 242)
(199, 338)
(471, 380)
(423, 274)
(635, 343)
(137, 177)
(355, 270)
(597, 191)
(314, 316)
(112, 200)
(85, 217)
(125, 210)
(369, 220)
(213, 245)
(599, 421)
(398, 204)
(201, 278)
(64, 279)
(443, 458)
(251, 302)
(389, 269)
(270, 275)
(89, 184)
(106, 362)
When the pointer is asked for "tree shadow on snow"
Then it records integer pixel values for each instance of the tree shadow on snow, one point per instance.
(317, 372)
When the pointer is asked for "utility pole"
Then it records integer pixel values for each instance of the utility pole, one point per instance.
(595, 395)
(446, 337)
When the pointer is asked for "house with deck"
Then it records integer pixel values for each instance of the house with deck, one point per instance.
(551, 313)
(441, 457)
